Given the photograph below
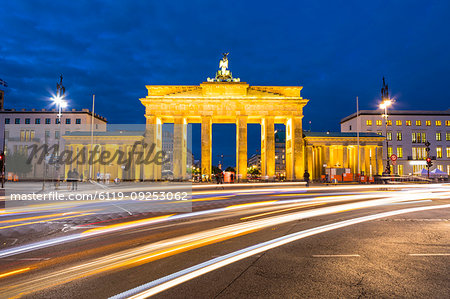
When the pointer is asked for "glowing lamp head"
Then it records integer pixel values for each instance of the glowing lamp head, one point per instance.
(57, 100)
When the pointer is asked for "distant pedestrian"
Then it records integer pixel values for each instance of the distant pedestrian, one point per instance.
(69, 179)
(75, 178)
(306, 178)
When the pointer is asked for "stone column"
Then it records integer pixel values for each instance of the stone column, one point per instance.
(362, 157)
(241, 147)
(367, 160)
(153, 142)
(380, 166)
(179, 148)
(268, 147)
(345, 157)
(295, 159)
(310, 160)
(319, 162)
(206, 146)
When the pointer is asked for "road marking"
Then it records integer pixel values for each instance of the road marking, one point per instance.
(335, 255)
(429, 254)
(174, 279)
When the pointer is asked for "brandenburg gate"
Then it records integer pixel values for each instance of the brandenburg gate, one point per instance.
(225, 99)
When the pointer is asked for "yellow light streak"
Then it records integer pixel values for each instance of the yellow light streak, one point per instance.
(14, 272)
(284, 210)
(40, 217)
(259, 203)
(40, 221)
(126, 224)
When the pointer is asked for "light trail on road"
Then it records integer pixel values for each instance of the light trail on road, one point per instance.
(167, 282)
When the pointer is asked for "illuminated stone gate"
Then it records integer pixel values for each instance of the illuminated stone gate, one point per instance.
(225, 99)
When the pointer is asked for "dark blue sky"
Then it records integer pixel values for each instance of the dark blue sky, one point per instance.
(336, 51)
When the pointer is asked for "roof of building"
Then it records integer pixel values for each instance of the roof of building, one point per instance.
(51, 111)
(106, 133)
(339, 134)
(398, 112)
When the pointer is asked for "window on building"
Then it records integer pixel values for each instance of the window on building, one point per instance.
(408, 123)
(419, 153)
(447, 123)
(413, 137)
(369, 122)
(48, 121)
(67, 132)
(398, 122)
(17, 121)
(389, 136)
(379, 133)
(440, 167)
(67, 121)
(389, 122)
(447, 136)
(78, 122)
(448, 169)
(390, 151)
(399, 151)
(428, 123)
(438, 123)
(424, 137)
(399, 136)
(57, 121)
(349, 127)
(400, 169)
(32, 135)
(22, 135)
(379, 122)
(37, 121)
(448, 152)
(6, 136)
(439, 152)
(27, 135)
(57, 134)
(27, 121)
(418, 123)
(7, 121)
(47, 134)
(438, 136)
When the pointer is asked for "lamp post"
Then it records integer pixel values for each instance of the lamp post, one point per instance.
(385, 103)
(60, 103)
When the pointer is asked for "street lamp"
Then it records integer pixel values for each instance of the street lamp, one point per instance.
(59, 101)
(386, 101)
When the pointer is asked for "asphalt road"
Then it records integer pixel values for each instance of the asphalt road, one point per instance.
(324, 242)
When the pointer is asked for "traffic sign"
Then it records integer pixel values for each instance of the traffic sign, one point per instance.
(394, 162)
(393, 157)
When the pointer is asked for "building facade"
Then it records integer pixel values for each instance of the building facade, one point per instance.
(406, 132)
(22, 129)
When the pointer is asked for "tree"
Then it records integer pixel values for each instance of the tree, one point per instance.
(253, 171)
(230, 169)
(216, 170)
(17, 163)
